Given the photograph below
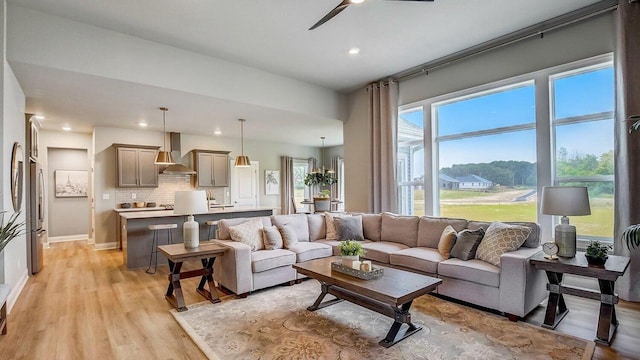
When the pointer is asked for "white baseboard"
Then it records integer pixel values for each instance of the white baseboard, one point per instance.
(68, 238)
(106, 246)
(15, 292)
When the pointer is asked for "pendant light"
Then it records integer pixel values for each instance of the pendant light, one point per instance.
(164, 157)
(242, 160)
(322, 170)
(330, 170)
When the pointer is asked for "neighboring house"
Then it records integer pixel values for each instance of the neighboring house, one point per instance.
(474, 182)
(448, 183)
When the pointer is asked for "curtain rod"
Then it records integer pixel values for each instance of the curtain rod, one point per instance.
(538, 29)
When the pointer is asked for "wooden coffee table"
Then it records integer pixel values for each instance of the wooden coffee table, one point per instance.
(390, 295)
(177, 254)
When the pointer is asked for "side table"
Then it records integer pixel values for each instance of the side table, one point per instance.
(606, 275)
(177, 254)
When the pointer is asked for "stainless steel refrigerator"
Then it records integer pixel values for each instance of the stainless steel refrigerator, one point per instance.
(38, 235)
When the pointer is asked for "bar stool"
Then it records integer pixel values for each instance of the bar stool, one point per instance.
(154, 244)
(212, 224)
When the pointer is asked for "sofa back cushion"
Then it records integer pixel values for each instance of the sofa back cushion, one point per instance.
(317, 227)
(371, 225)
(532, 241)
(400, 229)
(224, 224)
(430, 228)
(298, 222)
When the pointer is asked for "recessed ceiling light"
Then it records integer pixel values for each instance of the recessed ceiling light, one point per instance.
(357, 1)
(142, 124)
(217, 132)
(66, 128)
(39, 117)
(354, 51)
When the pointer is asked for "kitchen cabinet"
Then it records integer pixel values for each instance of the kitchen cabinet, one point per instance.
(135, 166)
(212, 168)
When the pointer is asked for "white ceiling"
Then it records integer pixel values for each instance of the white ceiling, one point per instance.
(273, 36)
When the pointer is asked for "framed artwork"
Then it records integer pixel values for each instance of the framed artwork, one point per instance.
(272, 182)
(72, 183)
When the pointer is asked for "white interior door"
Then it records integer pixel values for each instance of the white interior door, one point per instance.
(244, 185)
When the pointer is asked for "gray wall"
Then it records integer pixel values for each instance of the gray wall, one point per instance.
(572, 43)
(67, 216)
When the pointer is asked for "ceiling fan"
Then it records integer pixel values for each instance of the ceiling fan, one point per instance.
(343, 5)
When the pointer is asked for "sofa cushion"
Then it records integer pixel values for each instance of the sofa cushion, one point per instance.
(467, 244)
(532, 241)
(476, 271)
(501, 238)
(289, 236)
(332, 233)
(334, 245)
(317, 227)
(447, 239)
(380, 250)
(418, 258)
(311, 250)
(430, 228)
(264, 260)
(371, 225)
(400, 229)
(298, 222)
(224, 224)
(272, 238)
(248, 233)
(349, 228)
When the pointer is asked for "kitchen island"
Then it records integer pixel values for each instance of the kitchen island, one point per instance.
(136, 238)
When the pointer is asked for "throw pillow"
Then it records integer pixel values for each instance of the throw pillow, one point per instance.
(349, 228)
(289, 236)
(272, 238)
(332, 233)
(248, 233)
(447, 239)
(501, 238)
(467, 244)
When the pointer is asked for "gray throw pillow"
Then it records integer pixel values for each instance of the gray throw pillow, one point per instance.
(349, 228)
(272, 238)
(467, 244)
(289, 236)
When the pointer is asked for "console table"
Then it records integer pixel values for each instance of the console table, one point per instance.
(177, 254)
(606, 275)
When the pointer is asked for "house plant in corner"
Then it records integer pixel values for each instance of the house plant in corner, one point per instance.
(596, 253)
(10, 230)
(350, 250)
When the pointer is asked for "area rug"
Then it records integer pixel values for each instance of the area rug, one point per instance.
(275, 324)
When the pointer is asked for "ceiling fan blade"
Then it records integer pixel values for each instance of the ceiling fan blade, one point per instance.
(337, 10)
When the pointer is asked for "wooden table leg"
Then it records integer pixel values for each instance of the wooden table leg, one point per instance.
(556, 307)
(607, 320)
(401, 316)
(207, 277)
(176, 300)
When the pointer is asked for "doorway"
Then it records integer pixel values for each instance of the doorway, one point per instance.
(244, 185)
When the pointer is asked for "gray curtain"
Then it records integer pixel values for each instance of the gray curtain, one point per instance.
(383, 112)
(286, 185)
(627, 146)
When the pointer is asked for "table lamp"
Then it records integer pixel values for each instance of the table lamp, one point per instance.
(565, 201)
(190, 203)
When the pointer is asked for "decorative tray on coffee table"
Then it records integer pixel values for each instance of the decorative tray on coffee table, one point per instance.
(375, 272)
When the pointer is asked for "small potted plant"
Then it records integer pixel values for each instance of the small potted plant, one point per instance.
(350, 250)
(596, 253)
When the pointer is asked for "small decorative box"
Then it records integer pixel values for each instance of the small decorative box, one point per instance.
(365, 275)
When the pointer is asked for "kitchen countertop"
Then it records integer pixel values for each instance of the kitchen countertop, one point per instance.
(168, 213)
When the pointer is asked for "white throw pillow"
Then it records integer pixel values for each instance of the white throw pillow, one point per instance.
(248, 233)
(332, 233)
(501, 238)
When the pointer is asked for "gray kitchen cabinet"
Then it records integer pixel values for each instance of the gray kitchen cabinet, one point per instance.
(135, 166)
(212, 168)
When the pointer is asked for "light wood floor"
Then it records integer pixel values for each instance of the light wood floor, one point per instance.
(86, 305)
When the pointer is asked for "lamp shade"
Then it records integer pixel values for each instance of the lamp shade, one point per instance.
(164, 158)
(242, 161)
(565, 200)
(190, 202)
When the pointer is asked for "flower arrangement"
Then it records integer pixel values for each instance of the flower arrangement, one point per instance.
(351, 248)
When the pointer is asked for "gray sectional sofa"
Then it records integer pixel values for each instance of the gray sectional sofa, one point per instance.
(405, 242)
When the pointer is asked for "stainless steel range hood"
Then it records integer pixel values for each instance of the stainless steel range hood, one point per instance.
(177, 168)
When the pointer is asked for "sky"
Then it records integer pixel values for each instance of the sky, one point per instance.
(587, 93)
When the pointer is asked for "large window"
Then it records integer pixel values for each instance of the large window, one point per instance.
(489, 149)
(300, 191)
(582, 118)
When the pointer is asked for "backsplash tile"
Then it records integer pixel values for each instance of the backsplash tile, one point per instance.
(164, 193)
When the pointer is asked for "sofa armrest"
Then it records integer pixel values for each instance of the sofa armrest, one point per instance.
(522, 287)
(233, 269)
